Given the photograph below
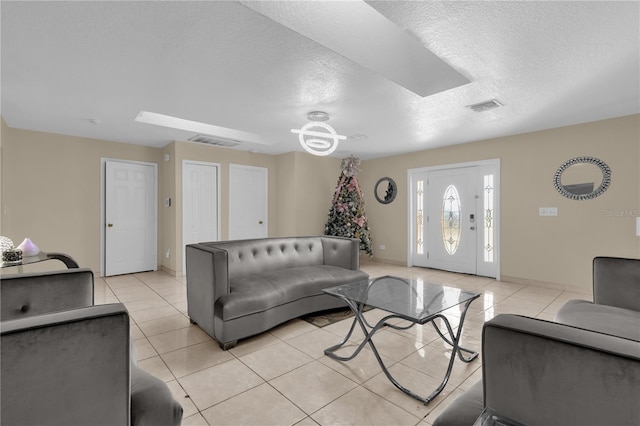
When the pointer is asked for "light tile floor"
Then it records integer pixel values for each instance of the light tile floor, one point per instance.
(282, 377)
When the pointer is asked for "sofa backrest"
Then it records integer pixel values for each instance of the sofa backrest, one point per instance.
(247, 257)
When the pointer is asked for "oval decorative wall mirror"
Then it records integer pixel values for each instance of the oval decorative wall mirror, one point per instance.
(582, 178)
(385, 190)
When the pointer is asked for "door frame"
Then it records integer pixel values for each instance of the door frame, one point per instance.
(103, 206)
(182, 212)
(492, 163)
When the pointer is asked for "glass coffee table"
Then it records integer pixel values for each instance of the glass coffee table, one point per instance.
(411, 300)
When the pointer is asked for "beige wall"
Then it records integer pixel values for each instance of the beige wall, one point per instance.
(51, 193)
(51, 190)
(555, 250)
(305, 189)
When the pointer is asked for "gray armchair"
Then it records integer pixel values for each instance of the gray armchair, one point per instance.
(583, 369)
(66, 362)
(543, 373)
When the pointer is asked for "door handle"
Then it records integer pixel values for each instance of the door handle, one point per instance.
(260, 222)
(109, 225)
(473, 228)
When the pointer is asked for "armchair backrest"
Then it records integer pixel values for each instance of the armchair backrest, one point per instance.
(616, 282)
(544, 373)
(66, 368)
(23, 295)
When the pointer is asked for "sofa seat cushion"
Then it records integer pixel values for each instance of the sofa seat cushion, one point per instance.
(152, 403)
(465, 409)
(259, 292)
(602, 318)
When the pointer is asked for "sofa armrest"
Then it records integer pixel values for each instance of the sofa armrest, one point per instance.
(544, 373)
(342, 252)
(23, 295)
(616, 282)
(66, 368)
(207, 281)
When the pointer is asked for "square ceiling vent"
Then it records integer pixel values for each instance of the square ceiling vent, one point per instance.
(215, 140)
(485, 106)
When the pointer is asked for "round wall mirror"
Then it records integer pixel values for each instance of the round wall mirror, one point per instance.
(385, 190)
(582, 178)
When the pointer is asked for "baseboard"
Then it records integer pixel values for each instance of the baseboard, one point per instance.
(168, 271)
(365, 259)
(545, 284)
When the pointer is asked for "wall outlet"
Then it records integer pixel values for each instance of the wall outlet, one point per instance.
(548, 211)
(168, 254)
(382, 247)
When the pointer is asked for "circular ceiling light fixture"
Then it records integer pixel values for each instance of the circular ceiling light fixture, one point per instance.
(318, 116)
(318, 143)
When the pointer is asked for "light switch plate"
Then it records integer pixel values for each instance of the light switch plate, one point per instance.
(548, 211)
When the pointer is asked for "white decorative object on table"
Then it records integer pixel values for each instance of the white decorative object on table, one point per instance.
(28, 248)
(5, 244)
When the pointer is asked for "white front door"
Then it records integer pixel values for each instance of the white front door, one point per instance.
(130, 214)
(454, 218)
(451, 220)
(200, 204)
(247, 202)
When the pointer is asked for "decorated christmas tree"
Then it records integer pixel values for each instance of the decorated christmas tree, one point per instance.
(346, 215)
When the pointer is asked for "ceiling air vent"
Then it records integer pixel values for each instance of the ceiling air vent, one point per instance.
(215, 140)
(485, 106)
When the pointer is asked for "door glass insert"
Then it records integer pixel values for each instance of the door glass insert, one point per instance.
(450, 219)
(419, 217)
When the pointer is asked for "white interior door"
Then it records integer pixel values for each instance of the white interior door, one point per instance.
(247, 202)
(200, 204)
(454, 218)
(130, 213)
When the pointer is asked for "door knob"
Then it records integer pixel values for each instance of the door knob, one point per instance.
(260, 222)
(473, 228)
(110, 225)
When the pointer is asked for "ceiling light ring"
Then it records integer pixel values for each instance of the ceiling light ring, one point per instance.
(314, 145)
(318, 143)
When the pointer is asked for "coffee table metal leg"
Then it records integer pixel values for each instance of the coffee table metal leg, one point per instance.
(457, 349)
(359, 318)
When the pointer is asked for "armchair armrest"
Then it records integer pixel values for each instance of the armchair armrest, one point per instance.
(616, 282)
(67, 368)
(545, 373)
(23, 295)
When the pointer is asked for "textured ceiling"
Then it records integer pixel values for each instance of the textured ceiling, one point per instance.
(550, 63)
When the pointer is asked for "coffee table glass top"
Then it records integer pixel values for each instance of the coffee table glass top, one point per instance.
(414, 299)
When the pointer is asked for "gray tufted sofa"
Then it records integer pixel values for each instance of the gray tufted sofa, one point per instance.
(236, 289)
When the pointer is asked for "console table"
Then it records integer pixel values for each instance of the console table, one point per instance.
(41, 257)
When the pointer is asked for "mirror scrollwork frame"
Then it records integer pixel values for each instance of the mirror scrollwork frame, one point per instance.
(569, 191)
(385, 194)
